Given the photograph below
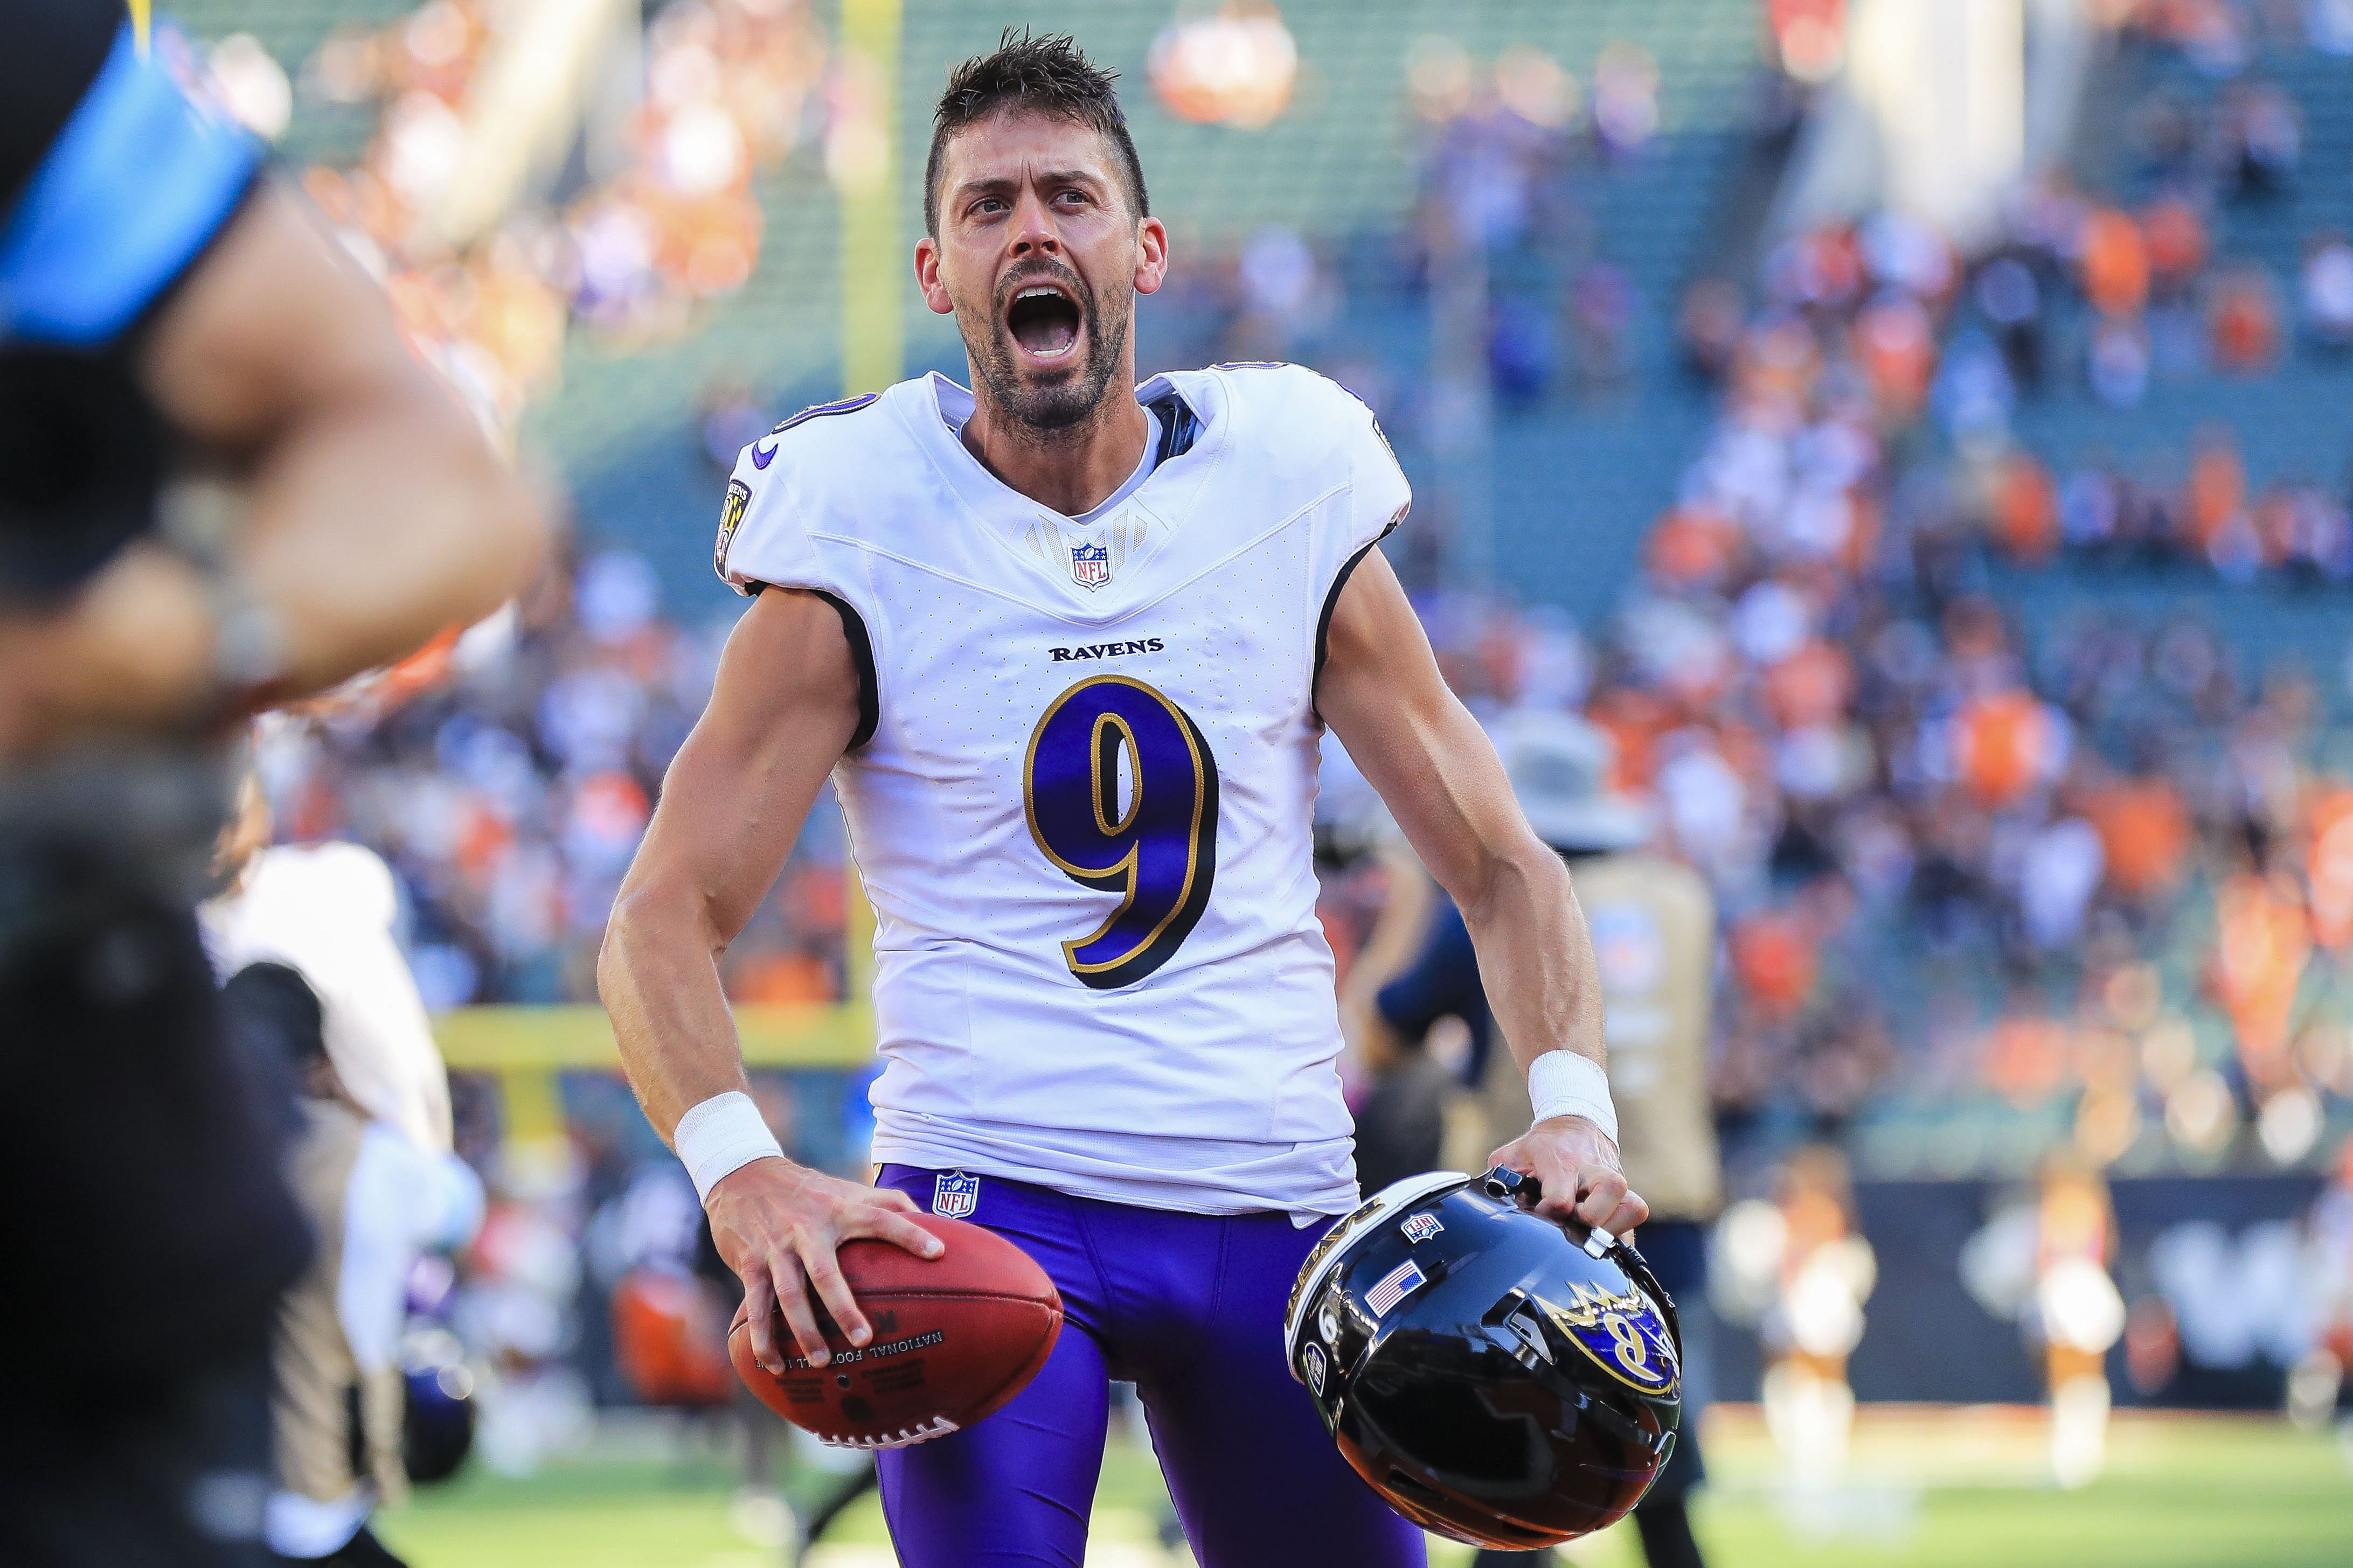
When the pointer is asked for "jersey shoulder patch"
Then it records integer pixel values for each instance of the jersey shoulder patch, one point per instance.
(763, 451)
(731, 514)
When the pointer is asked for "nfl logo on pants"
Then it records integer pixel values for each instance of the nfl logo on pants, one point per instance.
(1090, 565)
(954, 1195)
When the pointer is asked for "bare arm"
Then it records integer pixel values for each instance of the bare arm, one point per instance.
(784, 706)
(1383, 695)
(376, 511)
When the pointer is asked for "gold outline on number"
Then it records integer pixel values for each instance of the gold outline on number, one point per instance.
(1124, 873)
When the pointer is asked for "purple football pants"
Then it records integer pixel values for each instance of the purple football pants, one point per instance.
(1190, 1308)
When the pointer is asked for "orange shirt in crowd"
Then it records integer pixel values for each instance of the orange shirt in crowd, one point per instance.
(1775, 957)
(2262, 940)
(1812, 686)
(1635, 721)
(2025, 509)
(2007, 742)
(2177, 239)
(2218, 490)
(2115, 264)
(1693, 545)
(2328, 865)
(2245, 325)
(1897, 346)
(2026, 1058)
(2144, 835)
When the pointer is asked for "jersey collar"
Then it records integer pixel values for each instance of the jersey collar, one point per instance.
(1167, 497)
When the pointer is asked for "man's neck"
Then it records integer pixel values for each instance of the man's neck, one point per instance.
(1071, 470)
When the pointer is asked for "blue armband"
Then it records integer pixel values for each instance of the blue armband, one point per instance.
(133, 189)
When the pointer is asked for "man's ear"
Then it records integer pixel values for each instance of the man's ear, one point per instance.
(927, 277)
(1151, 255)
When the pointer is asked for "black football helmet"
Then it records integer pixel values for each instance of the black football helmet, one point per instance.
(1498, 1378)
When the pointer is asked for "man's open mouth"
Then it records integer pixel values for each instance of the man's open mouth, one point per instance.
(1043, 320)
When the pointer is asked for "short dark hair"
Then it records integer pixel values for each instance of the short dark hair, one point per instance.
(1046, 76)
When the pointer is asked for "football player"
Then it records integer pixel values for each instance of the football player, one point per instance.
(1065, 647)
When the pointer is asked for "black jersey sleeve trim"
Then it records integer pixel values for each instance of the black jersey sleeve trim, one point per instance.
(862, 653)
(1331, 603)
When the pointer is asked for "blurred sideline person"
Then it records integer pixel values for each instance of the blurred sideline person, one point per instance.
(374, 1200)
(1410, 1098)
(1653, 924)
(326, 910)
(165, 308)
(1066, 647)
(2080, 1313)
(1824, 1273)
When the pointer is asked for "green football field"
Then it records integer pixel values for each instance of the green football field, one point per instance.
(1926, 1490)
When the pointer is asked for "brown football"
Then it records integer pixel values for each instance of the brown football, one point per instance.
(955, 1338)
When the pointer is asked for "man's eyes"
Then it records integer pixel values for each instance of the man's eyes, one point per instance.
(989, 206)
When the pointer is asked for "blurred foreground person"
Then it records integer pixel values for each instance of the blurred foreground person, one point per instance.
(162, 305)
(1653, 924)
(374, 1200)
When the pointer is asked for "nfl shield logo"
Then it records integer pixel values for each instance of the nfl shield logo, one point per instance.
(1421, 1227)
(954, 1195)
(1090, 565)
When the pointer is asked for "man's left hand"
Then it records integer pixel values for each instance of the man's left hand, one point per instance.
(1578, 1165)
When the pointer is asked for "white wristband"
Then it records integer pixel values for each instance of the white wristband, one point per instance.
(1562, 1083)
(721, 1136)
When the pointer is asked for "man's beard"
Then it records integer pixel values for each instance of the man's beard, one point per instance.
(1075, 393)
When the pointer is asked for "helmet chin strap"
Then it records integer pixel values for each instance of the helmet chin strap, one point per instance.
(1518, 1186)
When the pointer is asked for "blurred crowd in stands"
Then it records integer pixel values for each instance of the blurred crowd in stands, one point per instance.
(661, 218)
(510, 796)
(2107, 869)
(2099, 873)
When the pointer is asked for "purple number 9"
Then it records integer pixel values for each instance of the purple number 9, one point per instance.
(1121, 796)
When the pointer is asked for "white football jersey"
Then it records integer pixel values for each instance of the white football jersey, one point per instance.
(1082, 792)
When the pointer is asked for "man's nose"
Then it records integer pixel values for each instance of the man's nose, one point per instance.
(1034, 233)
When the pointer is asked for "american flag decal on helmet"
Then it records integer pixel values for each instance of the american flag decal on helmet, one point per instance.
(1395, 1287)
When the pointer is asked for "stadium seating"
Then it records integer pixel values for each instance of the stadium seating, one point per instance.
(291, 30)
(1339, 168)
(2293, 424)
(1336, 167)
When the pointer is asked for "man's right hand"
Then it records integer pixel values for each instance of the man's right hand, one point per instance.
(777, 1224)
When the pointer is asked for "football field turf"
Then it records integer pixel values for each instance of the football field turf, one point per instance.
(1927, 1490)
